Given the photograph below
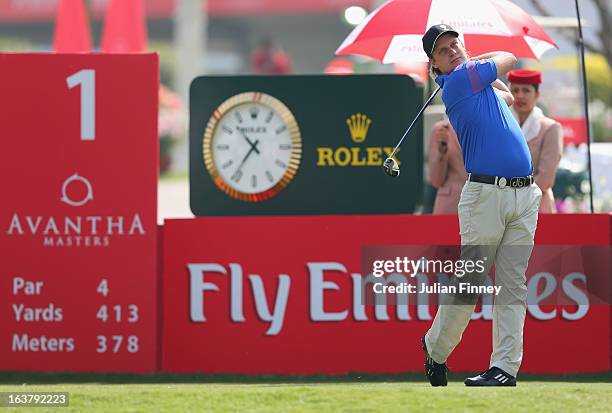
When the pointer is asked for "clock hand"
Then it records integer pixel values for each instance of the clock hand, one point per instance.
(253, 145)
(253, 148)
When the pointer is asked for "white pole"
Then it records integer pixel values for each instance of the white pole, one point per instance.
(190, 41)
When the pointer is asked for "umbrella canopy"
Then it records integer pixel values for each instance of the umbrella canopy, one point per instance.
(392, 33)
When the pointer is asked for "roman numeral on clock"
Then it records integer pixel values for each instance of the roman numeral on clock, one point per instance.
(254, 181)
(238, 116)
(269, 176)
(284, 146)
(227, 130)
(281, 129)
(280, 163)
(227, 164)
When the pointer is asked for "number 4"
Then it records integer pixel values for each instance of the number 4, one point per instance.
(103, 287)
(87, 79)
(102, 313)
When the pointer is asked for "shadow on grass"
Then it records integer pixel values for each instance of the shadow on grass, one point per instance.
(123, 378)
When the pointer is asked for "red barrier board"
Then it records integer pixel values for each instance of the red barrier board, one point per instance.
(574, 130)
(78, 219)
(276, 295)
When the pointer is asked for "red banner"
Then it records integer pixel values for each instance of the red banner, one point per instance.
(280, 295)
(36, 10)
(574, 130)
(78, 222)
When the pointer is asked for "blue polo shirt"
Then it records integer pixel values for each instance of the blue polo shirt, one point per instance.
(491, 139)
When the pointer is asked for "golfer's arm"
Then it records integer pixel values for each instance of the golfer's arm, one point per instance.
(504, 92)
(489, 55)
(504, 61)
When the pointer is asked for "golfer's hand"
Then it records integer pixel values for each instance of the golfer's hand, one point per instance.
(432, 73)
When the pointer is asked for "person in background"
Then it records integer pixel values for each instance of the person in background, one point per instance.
(445, 165)
(268, 59)
(544, 135)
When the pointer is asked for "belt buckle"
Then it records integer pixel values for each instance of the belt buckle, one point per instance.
(501, 182)
(518, 182)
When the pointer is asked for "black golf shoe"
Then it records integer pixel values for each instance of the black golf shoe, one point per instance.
(436, 373)
(492, 377)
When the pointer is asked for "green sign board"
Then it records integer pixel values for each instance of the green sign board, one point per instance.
(301, 145)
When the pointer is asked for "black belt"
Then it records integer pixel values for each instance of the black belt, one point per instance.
(502, 182)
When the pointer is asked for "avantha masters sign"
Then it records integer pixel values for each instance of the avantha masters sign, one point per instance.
(291, 145)
(78, 225)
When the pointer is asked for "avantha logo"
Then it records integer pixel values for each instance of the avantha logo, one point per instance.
(75, 231)
(358, 126)
(88, 195)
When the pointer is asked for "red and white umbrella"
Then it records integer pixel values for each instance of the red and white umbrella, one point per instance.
(392, 33)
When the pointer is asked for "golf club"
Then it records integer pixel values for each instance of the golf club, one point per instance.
(390, 166)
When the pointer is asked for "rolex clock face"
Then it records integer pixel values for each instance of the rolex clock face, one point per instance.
(252, 146)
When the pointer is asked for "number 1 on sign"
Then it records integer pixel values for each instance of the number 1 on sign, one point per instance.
(87, 79)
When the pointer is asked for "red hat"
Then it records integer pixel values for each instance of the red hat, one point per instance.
(525, 77)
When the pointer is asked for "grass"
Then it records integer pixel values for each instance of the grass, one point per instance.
(175, 176)
(122, 393)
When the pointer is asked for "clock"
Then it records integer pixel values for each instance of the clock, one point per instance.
(252, 146)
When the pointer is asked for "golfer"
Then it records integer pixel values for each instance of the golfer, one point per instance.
(498, 207)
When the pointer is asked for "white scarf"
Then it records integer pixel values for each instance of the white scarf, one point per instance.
(531, 126)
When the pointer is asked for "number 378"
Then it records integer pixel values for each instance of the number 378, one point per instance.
(104, 344)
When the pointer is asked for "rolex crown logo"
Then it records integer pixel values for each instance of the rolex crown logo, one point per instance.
(358, 125)
(254, 112)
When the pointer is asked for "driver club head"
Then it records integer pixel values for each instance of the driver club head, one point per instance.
(391, 167)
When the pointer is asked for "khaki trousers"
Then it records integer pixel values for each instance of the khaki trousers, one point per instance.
(497, 223)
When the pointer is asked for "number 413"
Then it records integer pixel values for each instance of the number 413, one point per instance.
(132, 313)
